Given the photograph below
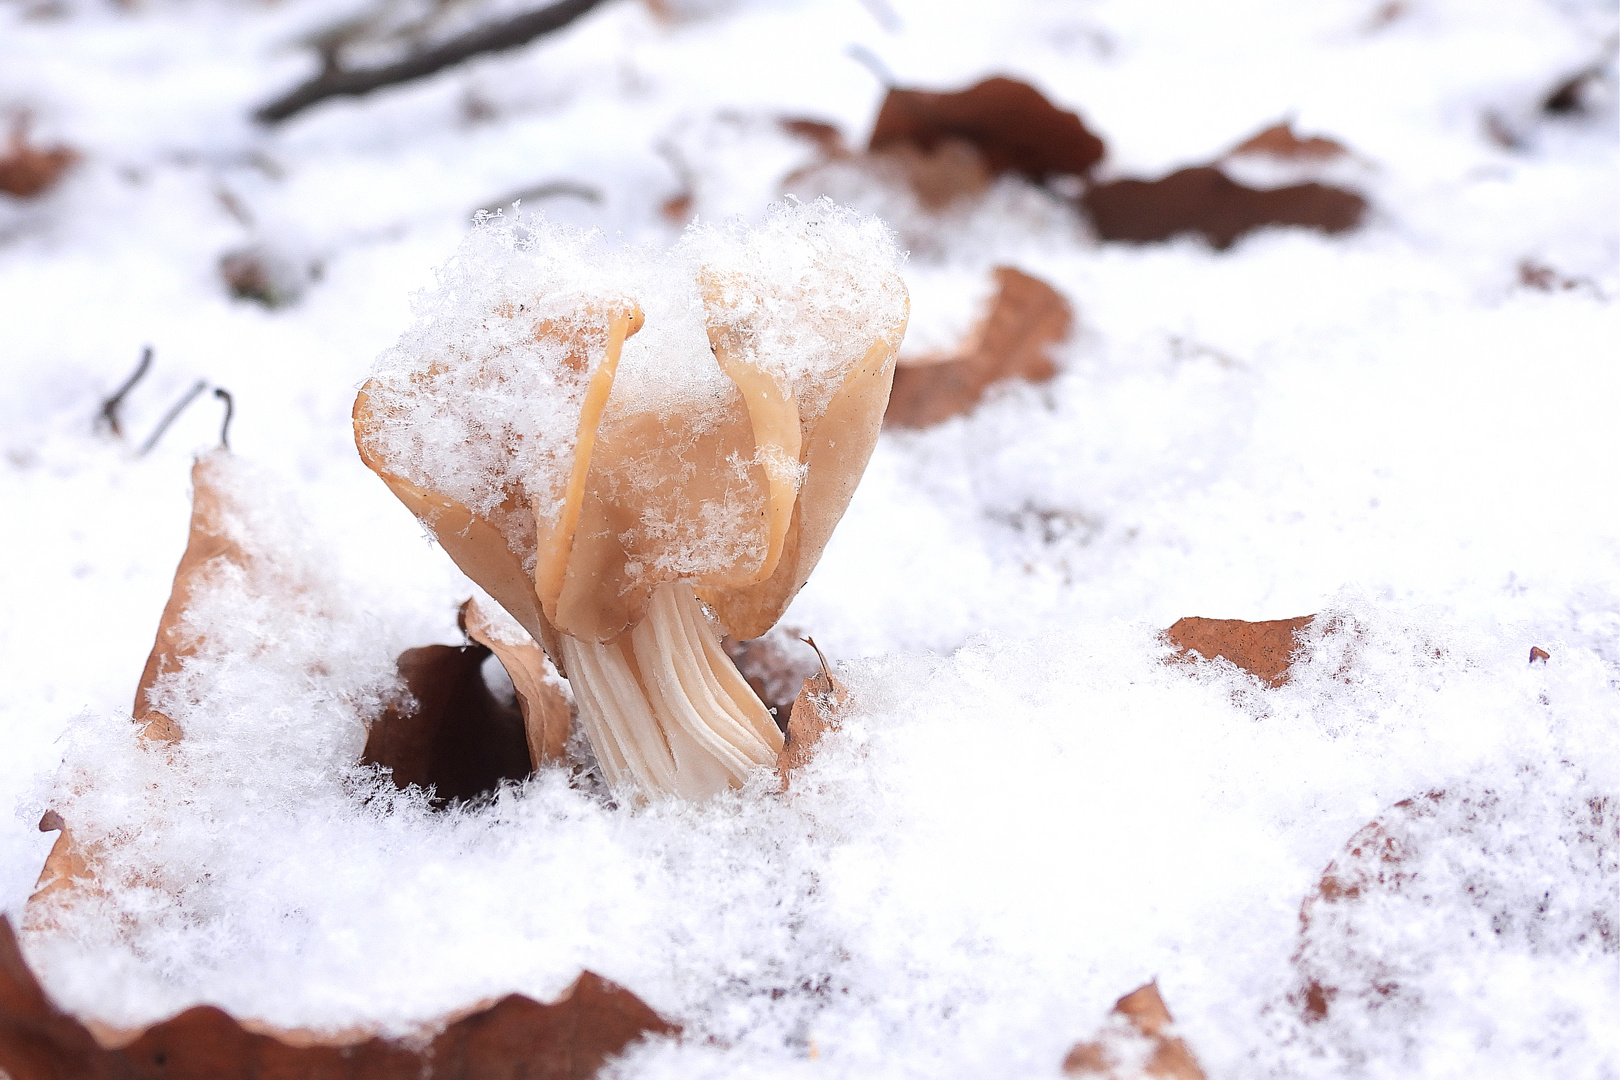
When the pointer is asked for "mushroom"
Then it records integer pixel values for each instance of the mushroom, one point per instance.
(633, 454)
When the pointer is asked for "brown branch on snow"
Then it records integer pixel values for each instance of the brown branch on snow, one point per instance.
(489, 38)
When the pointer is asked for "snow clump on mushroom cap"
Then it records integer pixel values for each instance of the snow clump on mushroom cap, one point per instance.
(481, 392)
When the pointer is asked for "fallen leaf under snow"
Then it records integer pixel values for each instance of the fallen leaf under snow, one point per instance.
(1025, 318)
(516, 1036)
(1137, 1040)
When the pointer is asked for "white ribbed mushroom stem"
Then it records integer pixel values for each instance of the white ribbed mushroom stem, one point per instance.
(665, 709)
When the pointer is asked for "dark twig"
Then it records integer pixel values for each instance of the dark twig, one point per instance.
(494, 37)
(230, 412)
(110, 407)
(172, 415)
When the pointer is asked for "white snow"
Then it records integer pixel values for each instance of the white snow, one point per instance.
(1030, 813)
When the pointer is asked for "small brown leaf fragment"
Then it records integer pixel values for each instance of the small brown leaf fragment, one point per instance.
(816, 711)
(546, 715)
(516, 1037)
(1137, 1040)
(1260, 648)
(27, 171)
(66, 865)
(454, 736)
(1280, 141)
(677, 209)
(1204, 201)
(1026, 317)
(1538, 653)
(826, 136)
(1010, 123)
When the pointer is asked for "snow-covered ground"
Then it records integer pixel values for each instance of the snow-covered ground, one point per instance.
(1030, 813)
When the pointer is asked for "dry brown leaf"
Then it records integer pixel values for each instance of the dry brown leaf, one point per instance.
(516, 1037)
(1262, 649)
(27, 171)
(1137, 1040)
(546, 714)
(210, 545)
(1011, 125)
(1204, 201)
(1280, 141)
(816, 710)
(1025, 318)
(453, 737)
(66, 866)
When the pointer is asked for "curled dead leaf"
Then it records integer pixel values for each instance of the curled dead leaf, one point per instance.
(452, 735)
(546, 714)
(821, 701)
(1263, 649)
(1137, 1040)
(568, 1039)
(1025, 318)
(26, 170)
(1011, 125)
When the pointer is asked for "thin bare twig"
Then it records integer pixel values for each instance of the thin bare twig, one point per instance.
(230, 412)
(172, 415)
(110, 407)
(493, 37)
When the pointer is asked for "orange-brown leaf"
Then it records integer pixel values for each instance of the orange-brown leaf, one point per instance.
(1008, 122)
(27, 171)
(66, 865)
(1025, 318)
(568, 1039)
(210, 545)
(1117, 1052)
(1263, 649)
(1281, 142)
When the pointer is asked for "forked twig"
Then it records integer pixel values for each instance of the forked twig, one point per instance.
(110, 407)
